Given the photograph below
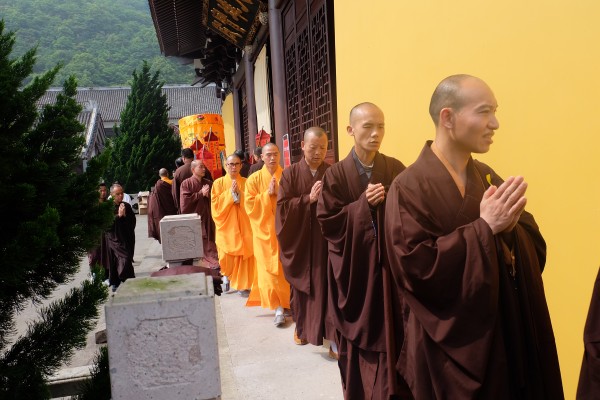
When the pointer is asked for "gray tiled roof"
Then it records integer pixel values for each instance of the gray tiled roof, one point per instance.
(183, 100)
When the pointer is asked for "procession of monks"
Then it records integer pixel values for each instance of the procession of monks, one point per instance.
(426, 279)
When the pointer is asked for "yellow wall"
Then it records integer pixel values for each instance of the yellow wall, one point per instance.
(227, 114)
(542, 59)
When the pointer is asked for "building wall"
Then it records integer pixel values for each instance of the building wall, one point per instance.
(228, 124)
(542, 61)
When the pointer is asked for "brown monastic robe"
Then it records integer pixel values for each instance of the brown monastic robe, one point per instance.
(589, 378)
(193, 201)
(303, 250)
(160, 203)
(120, 239)
(357, 277)
(181, 174)
(472, 330)
(257, 166)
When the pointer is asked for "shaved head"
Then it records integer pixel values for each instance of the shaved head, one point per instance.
(163, 173)
(233, 157)
(447, 94)
(357, 109)
(269, 147)
(317, 131)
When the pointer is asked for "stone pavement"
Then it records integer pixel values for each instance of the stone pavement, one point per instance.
(257, 360)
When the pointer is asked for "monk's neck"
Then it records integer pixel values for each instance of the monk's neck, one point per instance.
(365, 157)
(455, 158)
(272, 170)
(198, 178)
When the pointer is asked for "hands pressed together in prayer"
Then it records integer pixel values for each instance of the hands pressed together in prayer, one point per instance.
(121, 211)
(205, 190)
(315, 191)
(273, 186)
(501, 207)
(234, 187)
(375, 194)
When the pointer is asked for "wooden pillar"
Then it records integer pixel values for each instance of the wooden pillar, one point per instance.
(250, 101)
(278, 73)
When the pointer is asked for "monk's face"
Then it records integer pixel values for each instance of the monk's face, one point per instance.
(103, 192)
(117, 194)
(367, 126)
(473, 125)
(270, 155)
(233, 166)
(314, 149)
(199, 170)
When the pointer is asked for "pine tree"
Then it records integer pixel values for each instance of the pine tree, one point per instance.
(51, 216)
(144, 143)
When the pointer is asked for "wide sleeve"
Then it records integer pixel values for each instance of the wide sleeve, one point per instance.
(450, 283)
(292, 226)
(221, 204)
(260, 207)
(343, 218)
(190, 200)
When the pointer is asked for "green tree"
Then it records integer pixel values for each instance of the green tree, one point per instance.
(144, 142)
(51, 217)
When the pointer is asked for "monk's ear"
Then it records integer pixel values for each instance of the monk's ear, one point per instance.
(447, 118)
(350, 130)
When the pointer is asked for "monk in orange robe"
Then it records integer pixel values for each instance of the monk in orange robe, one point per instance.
(233, 230)
(271, 290)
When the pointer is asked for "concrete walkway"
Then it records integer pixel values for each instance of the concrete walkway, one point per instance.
(258, 360)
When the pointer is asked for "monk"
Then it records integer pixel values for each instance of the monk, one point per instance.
(271, 290)
(258, 161)
(195, 198)
(351, 213)
(160, 203)
(99, 255)
(589, 378)
(233, 230)
(467, 261)
(303, 250)
(181, 174)
(120, 239)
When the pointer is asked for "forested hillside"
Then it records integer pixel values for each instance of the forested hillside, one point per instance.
(101, 42)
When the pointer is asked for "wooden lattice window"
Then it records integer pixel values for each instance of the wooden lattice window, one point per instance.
(310, 71)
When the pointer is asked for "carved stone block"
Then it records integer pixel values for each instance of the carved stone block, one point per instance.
(181, 237)
(162, 339)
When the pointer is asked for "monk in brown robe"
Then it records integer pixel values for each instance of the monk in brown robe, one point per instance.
(160, 203)
(589, 378)
(120, 239)
(195, 198)
(181, 174)
(258, 161)
(351, 213)
(302, 248)
(270, 290)
(233, 230)
(467, 261)
(100, 255)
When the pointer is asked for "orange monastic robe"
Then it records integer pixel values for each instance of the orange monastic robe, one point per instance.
(273, 290)
(234, 233)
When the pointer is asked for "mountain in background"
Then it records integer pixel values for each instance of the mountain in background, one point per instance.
(101, 42)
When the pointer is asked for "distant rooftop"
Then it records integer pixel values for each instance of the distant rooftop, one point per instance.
(183, 99)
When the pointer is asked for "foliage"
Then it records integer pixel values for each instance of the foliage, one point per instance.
(100, 42)
(51, 217)
(144, 142)
(97, 387)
